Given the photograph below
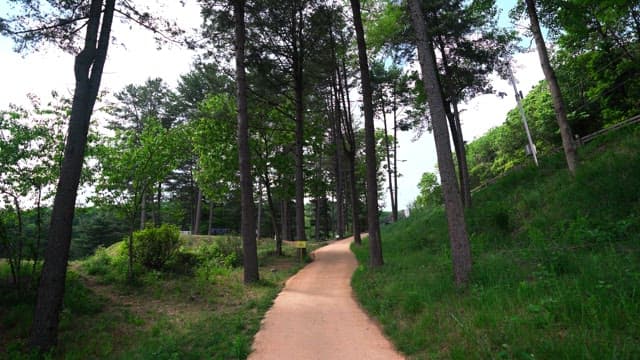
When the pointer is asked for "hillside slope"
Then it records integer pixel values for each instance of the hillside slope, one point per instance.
(556, 269)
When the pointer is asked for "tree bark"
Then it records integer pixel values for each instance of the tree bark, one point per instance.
(375, 243)
(210, 225)
(387, 145)
(143, 211)
(274, 217)
(568, 143)
(89, 65)
(395, 152)
(298, 88)
(259, 215)
(460, 250)
(339, 167)
(284, 205)
(248, 227)
(343, 87)
(157, 216)
(451, 111)
(463, 168)
(36, 251)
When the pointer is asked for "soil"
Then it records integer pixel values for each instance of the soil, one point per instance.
(317, 317)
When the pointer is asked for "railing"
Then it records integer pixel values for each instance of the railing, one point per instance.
(580, 141)
(630, 121)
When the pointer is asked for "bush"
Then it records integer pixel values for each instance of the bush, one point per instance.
(99, 263)
(153, 247)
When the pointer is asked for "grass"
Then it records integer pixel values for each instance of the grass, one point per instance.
(556, 272)
(164, 315)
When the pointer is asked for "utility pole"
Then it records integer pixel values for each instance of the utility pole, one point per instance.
(532, 147)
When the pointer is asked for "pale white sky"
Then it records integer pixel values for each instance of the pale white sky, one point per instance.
(51, 69)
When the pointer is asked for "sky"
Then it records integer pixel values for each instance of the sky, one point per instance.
(50, 69)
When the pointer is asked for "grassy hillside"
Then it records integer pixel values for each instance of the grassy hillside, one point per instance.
(556, 271)
(196, 308)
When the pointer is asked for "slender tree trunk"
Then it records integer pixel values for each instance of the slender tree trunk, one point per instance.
(463, 168)
(89, 64)
(36, 251)
(460, 249)
(375, 243)
(249, 247)
(458, 146)
(339, 171)
(395, 153)
(343, 87)
(259, 220)
(286, 232)
(143, 212)
(210, 226)
(556, 95)
(317, 219)
(298, 87)
(157, 217)
(387, 146)
(453, 115)
(274, 218)
(196, 221)
(15, 256)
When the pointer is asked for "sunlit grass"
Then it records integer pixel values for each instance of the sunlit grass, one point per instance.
(556, 272)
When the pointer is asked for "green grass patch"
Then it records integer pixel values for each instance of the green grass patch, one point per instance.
(169, 314)
(556, 272)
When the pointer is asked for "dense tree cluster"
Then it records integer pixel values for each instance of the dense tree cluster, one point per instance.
(240, 146)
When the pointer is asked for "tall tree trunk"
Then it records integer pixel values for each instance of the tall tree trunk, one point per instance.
(556, 95)
(143, 212)
(248, 227)
(274, 217)
(458, 145)
(298, 88)
(259, 219)
(453, 115)
(89, 64)
(36, 251)
(395, 152)
(461, 154)
(387, 146)
(286, 230)
(317, 220)
(375, 243)
(339, 167)
(210, 225)
(343, 88)
(157, 216)
(196, 221)
(460, 250)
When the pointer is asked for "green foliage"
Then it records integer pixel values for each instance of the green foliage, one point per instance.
(218, 257)
(153, 247)
(94, 227)
(556, 266)
(430, 192)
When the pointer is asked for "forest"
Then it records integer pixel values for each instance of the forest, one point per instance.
(286, 130)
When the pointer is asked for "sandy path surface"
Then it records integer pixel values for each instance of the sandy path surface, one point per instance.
(316, 316)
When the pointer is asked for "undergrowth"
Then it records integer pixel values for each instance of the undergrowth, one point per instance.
(196, 307)
(556, 266)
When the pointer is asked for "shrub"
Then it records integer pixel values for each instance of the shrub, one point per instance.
(153, 247)
(99, 263)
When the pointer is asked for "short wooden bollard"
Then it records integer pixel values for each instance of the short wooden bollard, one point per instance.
(300, 245)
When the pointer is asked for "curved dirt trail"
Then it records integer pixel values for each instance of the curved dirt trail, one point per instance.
(316, 316)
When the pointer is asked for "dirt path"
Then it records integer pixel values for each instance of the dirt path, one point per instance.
(316, 316)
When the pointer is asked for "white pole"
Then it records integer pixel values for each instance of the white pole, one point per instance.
(523, 116)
